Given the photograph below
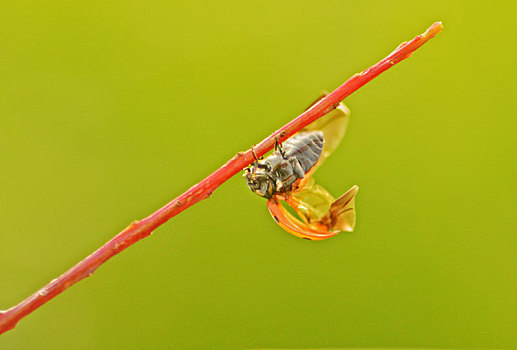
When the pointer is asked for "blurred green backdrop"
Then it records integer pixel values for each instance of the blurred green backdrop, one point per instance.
(109, 110)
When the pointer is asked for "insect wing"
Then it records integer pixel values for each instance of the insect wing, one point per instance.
(342, 212)
(333, 125)
(294, 226)
(311, 201)
(315, 205)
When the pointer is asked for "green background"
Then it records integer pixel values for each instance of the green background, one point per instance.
(109, 110)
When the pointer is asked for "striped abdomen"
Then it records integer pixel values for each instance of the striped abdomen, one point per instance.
(306, 147)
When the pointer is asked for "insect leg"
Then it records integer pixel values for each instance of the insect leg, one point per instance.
(254, 154)
(278, 148)
(255, 163)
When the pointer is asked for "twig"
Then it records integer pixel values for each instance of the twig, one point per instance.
(143, 228)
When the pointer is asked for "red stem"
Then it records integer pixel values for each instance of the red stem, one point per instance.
(143, 228)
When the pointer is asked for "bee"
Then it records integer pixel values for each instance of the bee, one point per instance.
(287, 175)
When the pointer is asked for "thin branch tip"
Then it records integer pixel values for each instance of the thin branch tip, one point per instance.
(434, 29)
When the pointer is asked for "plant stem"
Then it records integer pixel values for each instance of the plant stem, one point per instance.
(143, 228)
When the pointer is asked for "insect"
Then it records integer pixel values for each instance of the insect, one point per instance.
(286, 175)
